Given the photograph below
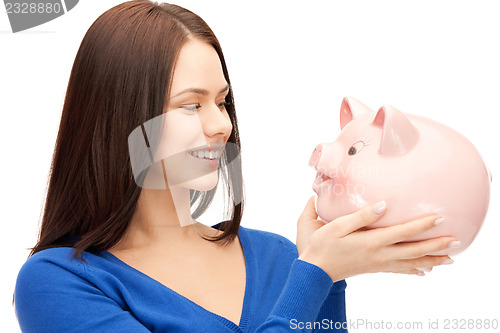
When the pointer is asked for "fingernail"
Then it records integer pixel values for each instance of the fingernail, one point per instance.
(454, 244)
(447, 262)
(379, 207)
(425, 269)
(439, 221)
(420, 273)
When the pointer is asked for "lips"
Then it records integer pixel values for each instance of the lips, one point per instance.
(211, 147)
(208, 156)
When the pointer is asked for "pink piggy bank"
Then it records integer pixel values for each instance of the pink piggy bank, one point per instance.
(418, 166)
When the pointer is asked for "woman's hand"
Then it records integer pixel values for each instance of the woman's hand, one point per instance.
(342, 250)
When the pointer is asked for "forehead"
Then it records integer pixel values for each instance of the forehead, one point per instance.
(198, 65)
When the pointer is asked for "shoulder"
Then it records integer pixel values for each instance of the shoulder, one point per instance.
(46, 262)
(270, 242)
(56, 270)
(55, 292)
(47, 269)
(267, 236)
(45, 276)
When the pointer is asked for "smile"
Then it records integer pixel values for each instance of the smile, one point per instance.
(205, 154)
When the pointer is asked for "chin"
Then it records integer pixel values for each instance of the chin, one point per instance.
(206, 182)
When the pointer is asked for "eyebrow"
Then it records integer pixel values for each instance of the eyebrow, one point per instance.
(200, 91)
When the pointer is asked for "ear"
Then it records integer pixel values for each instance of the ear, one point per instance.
(398, 133)
(351, 109)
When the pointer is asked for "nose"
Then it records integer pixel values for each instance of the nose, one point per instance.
(316, 155)
(217, 123)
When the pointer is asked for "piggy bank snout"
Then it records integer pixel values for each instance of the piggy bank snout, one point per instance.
(322, 159)
(315, 156)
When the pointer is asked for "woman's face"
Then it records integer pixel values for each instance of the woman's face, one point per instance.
(197, 125)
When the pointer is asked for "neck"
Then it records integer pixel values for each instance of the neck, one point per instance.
(163, 219)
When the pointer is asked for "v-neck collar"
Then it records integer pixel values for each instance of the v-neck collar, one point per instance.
(247, 299)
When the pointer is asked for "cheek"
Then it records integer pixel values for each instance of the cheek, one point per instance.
(177, 123)
(181, 132)
(365, 167)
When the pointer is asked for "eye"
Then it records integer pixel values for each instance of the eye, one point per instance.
(191, 107)
(356, 148)
(222, 106)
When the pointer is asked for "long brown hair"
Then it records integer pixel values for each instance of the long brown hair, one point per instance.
(120, 79)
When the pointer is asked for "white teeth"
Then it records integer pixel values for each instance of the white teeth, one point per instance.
(205, 154)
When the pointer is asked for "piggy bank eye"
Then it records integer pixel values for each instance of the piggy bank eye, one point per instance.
(356, 148)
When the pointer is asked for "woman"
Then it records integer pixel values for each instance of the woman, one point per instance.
(120, 251)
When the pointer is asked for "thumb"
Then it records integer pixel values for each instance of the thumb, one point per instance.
(307, 224)
(309, 212)
(308, 221)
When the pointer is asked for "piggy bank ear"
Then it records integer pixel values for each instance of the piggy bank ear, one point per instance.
(398, 133)
(351, 109)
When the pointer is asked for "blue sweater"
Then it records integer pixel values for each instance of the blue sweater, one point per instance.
(55, 293)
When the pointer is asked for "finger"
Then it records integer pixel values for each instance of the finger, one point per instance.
(425, 261)
(425, 269)
(346, 224)
(414, 271)
(417, 272)
(404, 231)
(307, 225)
(309, 212)
(418, 249)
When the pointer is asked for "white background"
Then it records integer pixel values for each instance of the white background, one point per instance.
(290, 64)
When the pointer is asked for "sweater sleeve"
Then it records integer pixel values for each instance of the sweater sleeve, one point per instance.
(332, 314)
(308, 295)
(52, 298)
